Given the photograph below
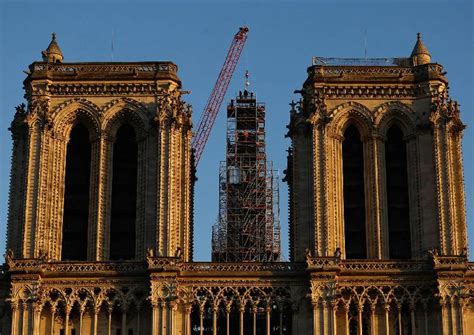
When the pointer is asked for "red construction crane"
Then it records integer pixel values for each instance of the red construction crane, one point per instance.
(214, 102)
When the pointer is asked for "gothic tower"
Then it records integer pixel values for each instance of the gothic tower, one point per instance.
(379, 140)
(376, 184)
(100, 179)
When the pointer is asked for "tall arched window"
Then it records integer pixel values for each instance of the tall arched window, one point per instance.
(76, 195)
(354, 197)
(397, 194)
(124, 195)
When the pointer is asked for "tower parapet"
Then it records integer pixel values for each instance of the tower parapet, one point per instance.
(352, 114)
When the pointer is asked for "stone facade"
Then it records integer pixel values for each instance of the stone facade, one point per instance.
(157, 288)
(429, 290)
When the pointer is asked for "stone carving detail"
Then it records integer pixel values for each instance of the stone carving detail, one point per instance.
(105, 68)
(241, 267)
(96, 89)
(38, 109)
(446, 110)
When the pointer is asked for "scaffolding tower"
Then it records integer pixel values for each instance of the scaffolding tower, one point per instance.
(248, 224)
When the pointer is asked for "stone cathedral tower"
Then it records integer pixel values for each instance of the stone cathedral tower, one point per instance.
(100, 178)
(376, 190)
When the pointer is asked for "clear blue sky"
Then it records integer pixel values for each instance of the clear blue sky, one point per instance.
(195, 35)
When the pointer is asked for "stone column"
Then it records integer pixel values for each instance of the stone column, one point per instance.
(37, 308)
(268, 310)
(53, 312)
(325, 318)
(400, 324)
(320, 181)
(187, 316)
(164, 326)
(81, 314)
(101, 197)
(227, 318)
(254, 314)
(346, 321)
(444, 315)
(201, 323)
(377, 225)
(454, 318)
(171, 317)
(360, 309)
(461, 309)
(412, 318)
(386, 308)
(109, 321)
(66, 321)
(124, 321)
(23, 318)
(15, 313)
(241, 319)
(316, 318)
(372, 318)
(33, 195)
(214, 319)
(96, 320)
(36, 318)
(154, 318)
(334, 317)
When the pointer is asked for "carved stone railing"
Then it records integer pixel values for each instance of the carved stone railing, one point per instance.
(73, 68)
(42, 266)
(163, 263)
(323, 263)
(95, 267)
(397, 91)
(27, 265)
(458, 262)
(97, 89)
(385, 266)
(242, 267)
(449, 260)
(391, 71)
(387, 71)
(368, 266)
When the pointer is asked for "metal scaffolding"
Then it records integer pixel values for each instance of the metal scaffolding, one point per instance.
(248, 226)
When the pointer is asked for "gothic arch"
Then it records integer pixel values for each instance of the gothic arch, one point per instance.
(69, 113)
(123, 110)
(394, 112)
(351, 113)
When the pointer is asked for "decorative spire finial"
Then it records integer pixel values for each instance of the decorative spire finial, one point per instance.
(420, 53)
(53, 53)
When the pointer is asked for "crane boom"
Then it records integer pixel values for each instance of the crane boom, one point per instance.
(214, 102)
